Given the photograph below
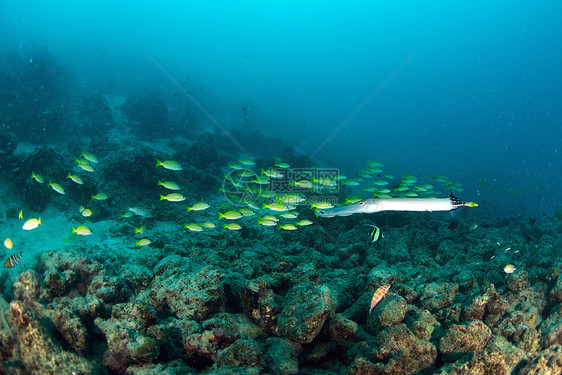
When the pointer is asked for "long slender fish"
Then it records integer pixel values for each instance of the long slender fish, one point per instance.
(369, 206)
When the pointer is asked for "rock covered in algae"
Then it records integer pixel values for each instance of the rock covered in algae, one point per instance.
(341, 328)
(306, 308)
(125, 346)
(464, 338)
(395, 350)
(281, 356)
(194, 295)
(39, 353)
(390, 311)
(499, 357)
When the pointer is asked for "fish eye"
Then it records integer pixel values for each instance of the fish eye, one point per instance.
(361, 203)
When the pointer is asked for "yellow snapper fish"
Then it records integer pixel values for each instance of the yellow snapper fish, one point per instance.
(8, 243)
(275, 206)
(246, 173)
(100, 196)
(232, 226)
(86, 212)
(304, 222)
(174, 197)
(143, 242)
(289, 215)
(169, 164)
(140, 229)
(31, 224)
(230, 215)
(288, 227)
(37, 177)
(248, 162)
(170, 185)
(322, 205)
(20, 215)
(85, 165)
(81, 230)
(266, 222)
(56, 187)
(200, 206)
(246, 212)
(282, 164)
(272, 173)
(75, 178)
(208, 225)
(193, 227)
(127, 214)
(305, 184)
(89, 156)
(261, 180)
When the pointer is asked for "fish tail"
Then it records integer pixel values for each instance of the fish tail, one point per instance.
(39, 221)
(158, 163)
(162, 197)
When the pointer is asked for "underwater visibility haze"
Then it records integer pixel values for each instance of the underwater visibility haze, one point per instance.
(281, 187)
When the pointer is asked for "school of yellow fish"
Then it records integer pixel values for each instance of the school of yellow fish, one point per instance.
(267, 198)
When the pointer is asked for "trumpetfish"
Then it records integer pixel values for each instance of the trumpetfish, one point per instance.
(369, 206)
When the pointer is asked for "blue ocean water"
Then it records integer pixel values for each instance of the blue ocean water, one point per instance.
(470, 90)
(158, 162)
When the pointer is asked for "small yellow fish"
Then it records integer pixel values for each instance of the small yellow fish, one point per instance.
(510, 268)
(56, 187)
(261, 180)
(12, 261)
(8, 243)
(270, 217)
(85, 165)
(143, 242)
(305, 184)
(272, 173)
(75, 178)
(100, 196)
(275, 206)
(174, 197)
(89, 156)
(282, 165)
(86, 212)
(288, 227)
(304, 222)
(170, 185)
(246, 212)
(232, 226)
(198, 207)
(230, 215)
(127, 214)
(140, 229)
(208, 224)
(81, 230)
(266, 223)
(473, 226)
(249, 162)
(289, 215)
(31, 224)
(169, 164)
(322, 205)
(193, 227)
(20, 215)
(37, 177)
